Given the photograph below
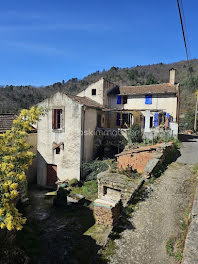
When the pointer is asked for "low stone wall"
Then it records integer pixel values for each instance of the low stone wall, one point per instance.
(114, 191)
(190, 253)
(106, 212)
(114, 186)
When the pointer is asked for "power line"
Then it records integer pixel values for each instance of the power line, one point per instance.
(185, 27)
(181, 11)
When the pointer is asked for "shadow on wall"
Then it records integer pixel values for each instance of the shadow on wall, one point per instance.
(31, 173)
(41, 170)
(108, 143)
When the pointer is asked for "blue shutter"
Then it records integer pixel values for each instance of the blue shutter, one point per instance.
(118, 120)
(156, 119)
(119, 99)
(148, 99)
(168, 116)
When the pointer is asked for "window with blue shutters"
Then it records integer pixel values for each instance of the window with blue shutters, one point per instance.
(118, 120)
(119, 99)
(148, 99)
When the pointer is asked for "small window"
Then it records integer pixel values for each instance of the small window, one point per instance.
(148, 99)
(58, 150)
(124, 99)
(57, 119)
(93, 91)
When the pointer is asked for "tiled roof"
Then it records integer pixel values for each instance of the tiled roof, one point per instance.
(85, 101)
(164, 88)
(6, 121)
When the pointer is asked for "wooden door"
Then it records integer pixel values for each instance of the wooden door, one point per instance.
(51, 174)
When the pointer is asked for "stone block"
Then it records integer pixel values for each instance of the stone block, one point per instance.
(106, 212)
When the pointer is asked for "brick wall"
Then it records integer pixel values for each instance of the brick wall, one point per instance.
(136, 158)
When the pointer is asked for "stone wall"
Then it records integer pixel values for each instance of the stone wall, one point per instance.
(114, 186)
(114, 191)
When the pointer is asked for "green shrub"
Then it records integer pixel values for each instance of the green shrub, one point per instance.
(73, 182)
(89, 189)
(134, 134)
(91, 169)
(130, 173)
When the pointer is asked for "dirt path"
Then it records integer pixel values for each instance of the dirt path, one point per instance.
(158, 217)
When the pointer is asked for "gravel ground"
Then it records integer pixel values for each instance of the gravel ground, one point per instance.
(158, 217)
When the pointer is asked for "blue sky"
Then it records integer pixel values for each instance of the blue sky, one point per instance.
(42, 42)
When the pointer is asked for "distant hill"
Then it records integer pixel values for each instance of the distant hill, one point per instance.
(14, 98)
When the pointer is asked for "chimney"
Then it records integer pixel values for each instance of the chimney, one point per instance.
(172, 76)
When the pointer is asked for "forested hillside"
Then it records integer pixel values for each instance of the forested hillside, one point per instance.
(13, 98)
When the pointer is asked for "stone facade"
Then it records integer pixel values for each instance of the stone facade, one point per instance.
(114, 186)
(78, 118)
(114, 191)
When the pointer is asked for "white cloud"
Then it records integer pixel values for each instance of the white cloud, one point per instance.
(55, 27)
(36, 48)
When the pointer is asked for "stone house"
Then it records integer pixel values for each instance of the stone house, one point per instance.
(65, 136)
(151, 106)
(66, 132)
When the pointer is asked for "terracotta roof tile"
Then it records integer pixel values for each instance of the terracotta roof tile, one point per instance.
(6, 121)
(85, 101)
(164, 88)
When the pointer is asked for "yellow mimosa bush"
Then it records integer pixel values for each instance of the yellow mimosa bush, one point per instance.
(15, 158)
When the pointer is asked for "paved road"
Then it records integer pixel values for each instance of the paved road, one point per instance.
(158, 217)
(189, 149)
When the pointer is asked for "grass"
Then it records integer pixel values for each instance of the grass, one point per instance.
(99, 233)
(175, 246)
(89, 189)
(170, 246)
(109, 250)
(195, 169)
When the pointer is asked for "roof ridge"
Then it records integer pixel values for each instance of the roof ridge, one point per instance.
(155, 84)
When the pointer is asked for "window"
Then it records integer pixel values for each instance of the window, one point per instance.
(125, 119)
(93, 91)
(148, 99)
(58, 150)
(57, 119)
(151, 121)
(124, 99)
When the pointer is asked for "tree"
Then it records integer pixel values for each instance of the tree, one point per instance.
(15, 157)
(134, 134)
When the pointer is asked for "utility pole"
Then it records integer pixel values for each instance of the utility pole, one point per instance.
(196, 112)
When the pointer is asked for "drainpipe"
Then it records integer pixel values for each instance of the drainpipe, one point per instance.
(83, 138)
(178, 105)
